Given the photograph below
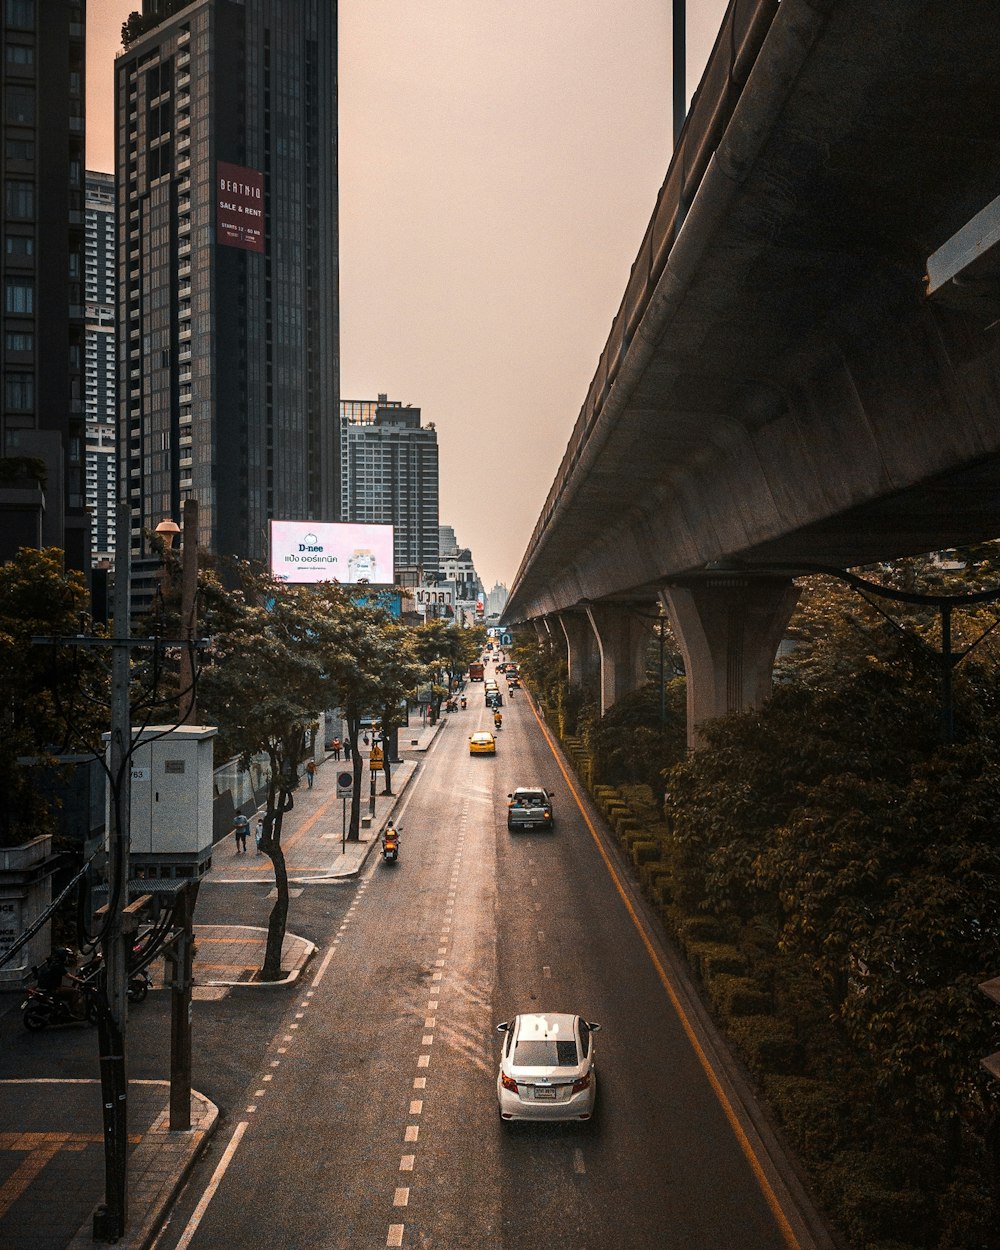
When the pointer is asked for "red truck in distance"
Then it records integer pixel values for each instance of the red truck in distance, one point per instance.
(476, 671)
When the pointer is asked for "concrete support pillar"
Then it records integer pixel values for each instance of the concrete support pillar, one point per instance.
(728, 627)
(541, 633)
(621, 642)
(581, 648)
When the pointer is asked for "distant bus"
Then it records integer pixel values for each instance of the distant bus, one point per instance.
(476, 671)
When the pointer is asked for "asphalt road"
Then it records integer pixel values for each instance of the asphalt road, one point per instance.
(366, 1115)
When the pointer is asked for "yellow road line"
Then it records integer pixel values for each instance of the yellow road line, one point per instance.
(770, 1197)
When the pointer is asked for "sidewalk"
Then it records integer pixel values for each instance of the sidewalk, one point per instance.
(51, 1134)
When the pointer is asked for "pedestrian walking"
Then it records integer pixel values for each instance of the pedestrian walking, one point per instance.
(347, 748)
(258, 833)
(241, 831)
(335, 747)
(310, 773)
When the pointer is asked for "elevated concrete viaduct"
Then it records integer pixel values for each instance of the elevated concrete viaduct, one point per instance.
(783, 383)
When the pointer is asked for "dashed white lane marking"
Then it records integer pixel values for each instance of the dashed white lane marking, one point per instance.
(401, 1198)
(322, 968)
(406, 1163)
(412, 1133)
(416, 1106)
(395, 1237)
(578, 1164)
(269, 1077)
(430, 1022)
(423, 1061)
(538, 907)
(541, 936)
(420, 1082)
(534, 880)
(546, 970)
(427, 1039)
(432, 1005)
(258, 1093)
(252, 1108)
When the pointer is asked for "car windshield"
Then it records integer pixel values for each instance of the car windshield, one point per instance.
(550, 1054)
(534, 798)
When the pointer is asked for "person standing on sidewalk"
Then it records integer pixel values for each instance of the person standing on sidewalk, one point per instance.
(335, 748)
(258, 834)
(241, 830)
(310, 773)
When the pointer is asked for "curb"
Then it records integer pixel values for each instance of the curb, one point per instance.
(372, 842)
(147, 1158)
(293, 975)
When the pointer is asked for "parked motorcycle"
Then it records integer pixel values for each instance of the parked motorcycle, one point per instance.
(139, 985)
(390, 844)
(463, 702)
(44, 1007)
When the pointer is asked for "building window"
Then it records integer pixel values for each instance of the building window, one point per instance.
(20, 14)
(19, 341)
(19, 105)
(20, 296)
(20, 149)
(20, 199)
(19, 392)
(20, 246)
(20, 54)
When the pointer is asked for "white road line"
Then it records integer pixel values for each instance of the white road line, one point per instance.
(401, 1197)
(430, 1022)
(578, 1164)
(541, 936)
(423, 1061)
(546, 970)
(322, 968)
(412, 1133)
(199, 1211)
(395, 1237)
(427, 1039)
(406, 1163)
(420, 1082)
(416, 1106)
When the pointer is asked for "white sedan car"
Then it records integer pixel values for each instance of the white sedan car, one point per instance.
(547, 1068)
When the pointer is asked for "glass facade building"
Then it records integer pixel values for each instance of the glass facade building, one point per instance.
(99, 365)
(390, 476)
(41, 274)
(228, 316)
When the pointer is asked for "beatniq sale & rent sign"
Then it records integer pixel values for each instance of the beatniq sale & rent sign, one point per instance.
(239, 206)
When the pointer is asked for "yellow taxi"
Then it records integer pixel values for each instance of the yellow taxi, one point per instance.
(482, 744)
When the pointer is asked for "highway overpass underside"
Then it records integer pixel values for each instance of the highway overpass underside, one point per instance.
(787, 391)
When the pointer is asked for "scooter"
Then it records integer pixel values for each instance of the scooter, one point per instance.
(463, 701)
(42, 1008)
(390, 845)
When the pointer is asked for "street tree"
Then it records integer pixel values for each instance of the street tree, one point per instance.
(266, 688)
(53, 699)
(350, 649)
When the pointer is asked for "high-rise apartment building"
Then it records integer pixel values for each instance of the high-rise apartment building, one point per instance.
(389, 471)
(228, 325)
(42, 177)
(100, 273)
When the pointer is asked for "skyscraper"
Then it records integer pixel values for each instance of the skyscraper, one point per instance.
(99, 365)
(228, 321)
(390, 476)
(42, 418)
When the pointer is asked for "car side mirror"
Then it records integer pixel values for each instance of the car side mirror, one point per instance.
(503, 1027)
(510, 796)
(550, 793)
(593, 1026)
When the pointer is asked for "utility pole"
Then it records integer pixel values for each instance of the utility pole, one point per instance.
(187, 711)
(111, 1218)
(680, 68)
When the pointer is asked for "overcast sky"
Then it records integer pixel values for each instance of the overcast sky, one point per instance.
(499, 162)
